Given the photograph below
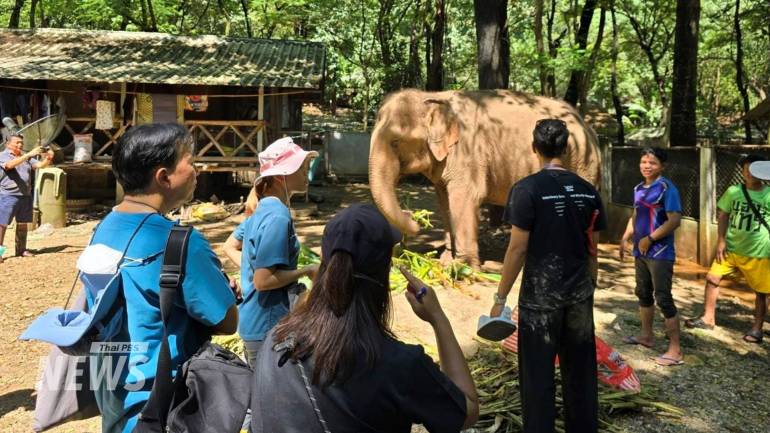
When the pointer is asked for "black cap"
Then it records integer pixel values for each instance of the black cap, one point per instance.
(365, 234)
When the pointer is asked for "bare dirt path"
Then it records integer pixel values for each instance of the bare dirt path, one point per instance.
(723, 387)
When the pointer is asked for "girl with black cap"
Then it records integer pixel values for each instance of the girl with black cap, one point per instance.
(333, 364)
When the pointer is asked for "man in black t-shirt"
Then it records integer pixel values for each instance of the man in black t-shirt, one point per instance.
(553, 214)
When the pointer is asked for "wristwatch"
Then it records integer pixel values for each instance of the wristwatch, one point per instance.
(500, 300)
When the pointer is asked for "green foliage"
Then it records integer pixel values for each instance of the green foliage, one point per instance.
(369, 44)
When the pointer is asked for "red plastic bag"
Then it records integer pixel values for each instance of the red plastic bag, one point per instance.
(612, 370)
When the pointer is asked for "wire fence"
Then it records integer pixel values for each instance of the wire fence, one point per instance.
(683, 168)
(726, 165)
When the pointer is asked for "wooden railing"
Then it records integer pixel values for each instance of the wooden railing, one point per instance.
(111, 136)
(209, 135)
(226, 141)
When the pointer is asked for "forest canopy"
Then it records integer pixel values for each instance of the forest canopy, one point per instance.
(562, 48)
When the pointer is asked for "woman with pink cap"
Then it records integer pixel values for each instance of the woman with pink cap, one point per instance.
(266, 245)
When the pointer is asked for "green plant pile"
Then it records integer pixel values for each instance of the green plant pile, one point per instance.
(424, 266)
(496, 375)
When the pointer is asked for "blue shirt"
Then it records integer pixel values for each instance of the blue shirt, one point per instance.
(269, 240)
(203, 301)
(18, 180)
(652, 203)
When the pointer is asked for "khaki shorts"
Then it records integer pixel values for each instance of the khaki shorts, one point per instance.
(755, 270)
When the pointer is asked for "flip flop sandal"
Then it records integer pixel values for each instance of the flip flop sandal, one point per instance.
(667, 361)
(633, 340)
(698, 324)
(754, 337)
(496, 328)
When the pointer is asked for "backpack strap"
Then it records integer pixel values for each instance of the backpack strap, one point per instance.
(171, 277)
(122, 256)
(757, 213)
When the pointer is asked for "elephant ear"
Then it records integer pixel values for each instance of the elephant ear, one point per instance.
(442, 127)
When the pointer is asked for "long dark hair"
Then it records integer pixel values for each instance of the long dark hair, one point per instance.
(344, 317)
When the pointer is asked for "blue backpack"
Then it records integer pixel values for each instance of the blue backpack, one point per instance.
(74, 331)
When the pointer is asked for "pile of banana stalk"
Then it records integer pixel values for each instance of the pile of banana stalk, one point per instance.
(495, 373)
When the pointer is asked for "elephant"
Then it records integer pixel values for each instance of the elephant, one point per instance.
(473, 146)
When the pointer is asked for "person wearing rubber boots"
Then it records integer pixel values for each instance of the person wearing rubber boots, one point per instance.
(16, 179)
(553, 214)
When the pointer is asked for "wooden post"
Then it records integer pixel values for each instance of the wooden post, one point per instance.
(706, 237)
(605, 185)
(261, 116)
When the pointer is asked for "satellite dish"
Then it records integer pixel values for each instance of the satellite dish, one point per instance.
(43, 131)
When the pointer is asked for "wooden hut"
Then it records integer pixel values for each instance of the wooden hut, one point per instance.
(761, 113)
(234, 95)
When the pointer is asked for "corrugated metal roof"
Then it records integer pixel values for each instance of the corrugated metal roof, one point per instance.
(159, 58)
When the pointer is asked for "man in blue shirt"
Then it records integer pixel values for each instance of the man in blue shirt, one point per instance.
(154, 164)
(657, 214)
(16, 171)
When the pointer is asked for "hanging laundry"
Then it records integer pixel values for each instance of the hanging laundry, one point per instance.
(105, 112)
(163, 108)
(89, 99)
(196, 102)
(143, 108)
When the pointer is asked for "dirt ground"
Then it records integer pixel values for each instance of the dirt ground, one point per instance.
(723, 387)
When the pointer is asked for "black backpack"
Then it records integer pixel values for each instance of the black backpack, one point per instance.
(211, 390)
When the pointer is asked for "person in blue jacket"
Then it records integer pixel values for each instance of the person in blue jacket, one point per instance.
(265, 245)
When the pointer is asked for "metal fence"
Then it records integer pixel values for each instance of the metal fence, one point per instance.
(682, 168)
(726, 165)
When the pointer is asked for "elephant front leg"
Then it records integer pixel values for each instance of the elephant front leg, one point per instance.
(443, 211)
(464, 216)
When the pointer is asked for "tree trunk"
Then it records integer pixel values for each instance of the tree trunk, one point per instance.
(739, 74)
(539, 44)
(550, 78)
(614, 79)
(683, 129)
(492, 42)
(13, 22)
(144, 15)
(435, 79)
(585, 85)
(43, 18)
(153, 21)
(413, 76)
(576, 78)
(245, 7)
(392, 79)
(32, 12)
(646, 46)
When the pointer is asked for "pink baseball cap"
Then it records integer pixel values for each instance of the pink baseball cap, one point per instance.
(282, 157)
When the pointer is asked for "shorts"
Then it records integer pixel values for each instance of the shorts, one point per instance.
(15, 206)
(755, 270)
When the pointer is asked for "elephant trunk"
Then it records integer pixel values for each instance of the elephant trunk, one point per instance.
(384, 170)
